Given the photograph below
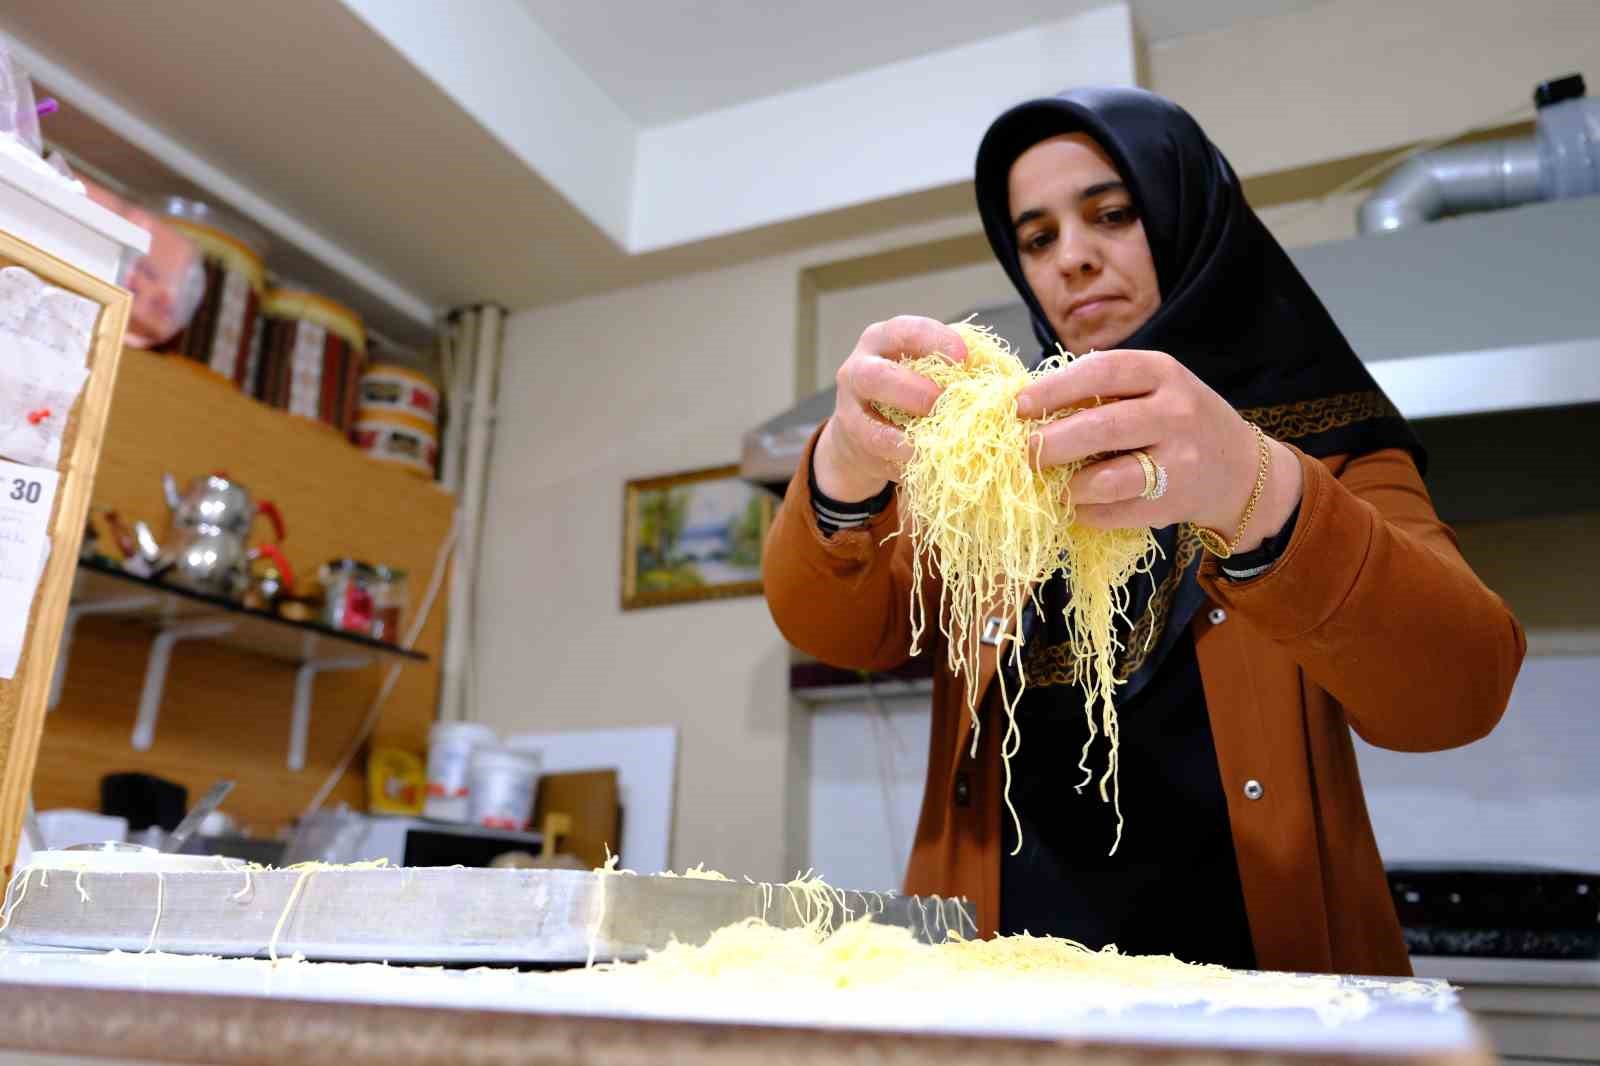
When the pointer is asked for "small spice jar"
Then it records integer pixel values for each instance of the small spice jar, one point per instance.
(389, 595)
(348, 595)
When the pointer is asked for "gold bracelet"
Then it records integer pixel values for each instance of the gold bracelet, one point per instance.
(1215, 542)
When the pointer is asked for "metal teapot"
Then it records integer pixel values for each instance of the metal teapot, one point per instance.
(214, 500)
(206, 548)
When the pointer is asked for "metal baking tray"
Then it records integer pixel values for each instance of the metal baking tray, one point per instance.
(420, 915)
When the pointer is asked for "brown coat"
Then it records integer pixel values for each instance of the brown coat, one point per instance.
(1371, 621)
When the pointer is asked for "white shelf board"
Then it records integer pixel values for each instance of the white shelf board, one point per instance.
(57, 193)
(39, 206)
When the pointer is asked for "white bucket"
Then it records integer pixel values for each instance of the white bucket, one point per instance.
(450, 747)
(64, 827)
(500, 788)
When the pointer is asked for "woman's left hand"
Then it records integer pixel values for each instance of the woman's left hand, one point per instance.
(1160, 407)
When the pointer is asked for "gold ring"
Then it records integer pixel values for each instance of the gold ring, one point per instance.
(1155, 476)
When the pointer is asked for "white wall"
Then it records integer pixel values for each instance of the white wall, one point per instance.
(657, 379)
(943, 294)
(1349, 77)
(594, 393)
(885, 132)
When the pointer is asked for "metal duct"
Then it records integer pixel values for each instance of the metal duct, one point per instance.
(1561, 160)
(1453, 181)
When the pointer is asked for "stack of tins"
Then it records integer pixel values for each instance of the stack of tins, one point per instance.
(223, 333)
(398, 418)
(312, 353)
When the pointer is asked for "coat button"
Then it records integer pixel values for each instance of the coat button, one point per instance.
(1217, 616)
(1253, 789)
(963, 790)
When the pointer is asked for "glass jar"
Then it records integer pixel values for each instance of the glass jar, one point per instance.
(222, 333)
(349, 588)
(389, 596)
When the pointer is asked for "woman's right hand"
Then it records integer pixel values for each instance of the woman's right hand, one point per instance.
(860, 451)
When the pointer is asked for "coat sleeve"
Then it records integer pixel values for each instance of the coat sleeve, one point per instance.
(844, 599)
(1375, 602)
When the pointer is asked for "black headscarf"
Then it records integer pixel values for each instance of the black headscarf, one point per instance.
(1234, 308)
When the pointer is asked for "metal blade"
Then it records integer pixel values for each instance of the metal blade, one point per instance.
(191, 821)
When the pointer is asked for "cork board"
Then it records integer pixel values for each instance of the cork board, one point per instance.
(23, 697)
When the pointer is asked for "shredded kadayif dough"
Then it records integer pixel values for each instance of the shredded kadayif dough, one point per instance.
(835, 949)
(862, 954)
(992, 530)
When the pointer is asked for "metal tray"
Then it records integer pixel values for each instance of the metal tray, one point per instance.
(419, 915)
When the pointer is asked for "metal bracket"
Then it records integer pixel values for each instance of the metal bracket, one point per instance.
(304, 678)
(155, 673)
(75, 611)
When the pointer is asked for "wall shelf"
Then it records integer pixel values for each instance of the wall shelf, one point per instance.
(101, 588)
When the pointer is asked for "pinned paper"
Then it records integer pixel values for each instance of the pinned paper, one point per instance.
(27, 495)
(45, 336)
(61, 321)
(37, 391)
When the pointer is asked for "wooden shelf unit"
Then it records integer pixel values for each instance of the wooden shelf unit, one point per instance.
(225, 711)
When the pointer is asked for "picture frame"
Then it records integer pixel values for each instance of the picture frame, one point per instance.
(692, 536)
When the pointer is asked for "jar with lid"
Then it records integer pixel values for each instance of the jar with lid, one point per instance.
(348, 595)
(389, 595)
(313, 351)
(223, 334)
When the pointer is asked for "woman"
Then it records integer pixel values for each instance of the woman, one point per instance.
(1306, 588)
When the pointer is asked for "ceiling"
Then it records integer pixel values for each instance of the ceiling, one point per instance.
(414, 176)
(1164, 21)
(655, 67)
(677, 58)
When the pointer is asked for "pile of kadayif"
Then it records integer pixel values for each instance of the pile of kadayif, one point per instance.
(838, 947)
(991, 529)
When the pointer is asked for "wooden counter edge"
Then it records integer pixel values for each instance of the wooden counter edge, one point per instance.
(188, 1028)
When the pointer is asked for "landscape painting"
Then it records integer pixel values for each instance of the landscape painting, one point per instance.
(692, 536)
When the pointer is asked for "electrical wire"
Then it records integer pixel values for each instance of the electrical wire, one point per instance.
(887, 770)
(392, 675)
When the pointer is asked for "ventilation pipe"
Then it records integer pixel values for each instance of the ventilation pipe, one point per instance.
(1561, 160)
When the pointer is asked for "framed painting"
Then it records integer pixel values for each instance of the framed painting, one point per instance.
(692, 536)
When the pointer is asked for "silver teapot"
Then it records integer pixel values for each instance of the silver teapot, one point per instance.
(206, 548)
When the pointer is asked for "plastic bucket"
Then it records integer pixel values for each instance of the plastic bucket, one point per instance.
(450, 748)
(500, 788)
